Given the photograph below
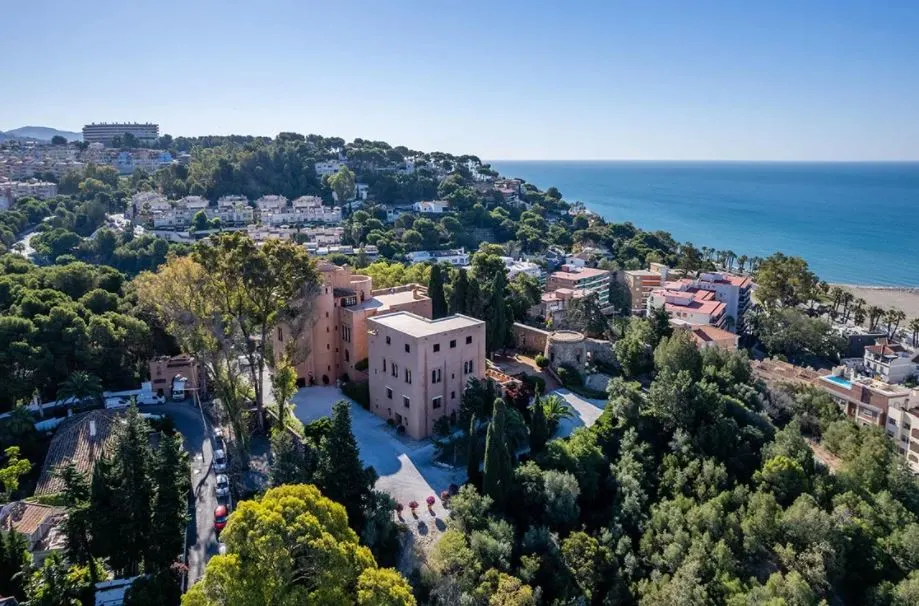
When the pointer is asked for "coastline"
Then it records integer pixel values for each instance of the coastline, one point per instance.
(904, 298)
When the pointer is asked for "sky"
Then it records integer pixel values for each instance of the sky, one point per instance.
(506, 79)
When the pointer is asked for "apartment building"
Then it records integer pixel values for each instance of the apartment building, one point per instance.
(336, 341)
(180, 213)
(582, 278)
(690, 305)
(232, 210)
(553, 305)
(640, 283)
(328, 168)
(305, 209)
(104, 132)
(419, 367)
(731, 289)
(33, 188)
(890, 361)
(457, 257)
(146, 202)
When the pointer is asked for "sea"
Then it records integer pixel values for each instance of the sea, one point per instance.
(854, 223)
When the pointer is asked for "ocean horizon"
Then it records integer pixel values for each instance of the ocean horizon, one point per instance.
(854, 222)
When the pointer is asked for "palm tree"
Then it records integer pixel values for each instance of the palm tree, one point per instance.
(893, 317)
(847, 298)
(555, 409)
(741, 262)
(874, 314)
(79, 387)
(858, 310)
(836, 293)
(914, 328)
(729, 259)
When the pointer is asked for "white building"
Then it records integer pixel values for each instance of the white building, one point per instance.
(327, 168)
(104, 132)
(890, 361)
(457, 257)
(305, 209)
(519, 266)
(233, 210)
(731, 289)
(14, 190)
(432, 207)
(271, 203)
(689, 305)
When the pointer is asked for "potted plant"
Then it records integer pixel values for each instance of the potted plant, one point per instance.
(413, 505)
(399, 508)
(445, 497)
(430, 501)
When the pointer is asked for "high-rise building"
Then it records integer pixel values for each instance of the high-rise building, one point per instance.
(105, 132)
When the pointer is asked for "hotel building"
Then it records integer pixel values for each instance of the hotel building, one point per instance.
(419, 367)
(104, 132)
(582, 278)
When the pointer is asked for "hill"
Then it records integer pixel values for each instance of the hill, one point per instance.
(41, 133)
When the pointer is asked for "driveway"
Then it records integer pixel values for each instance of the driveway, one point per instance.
(200, 538)
(406, 467)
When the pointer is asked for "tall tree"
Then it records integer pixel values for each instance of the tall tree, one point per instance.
(293, 546)
(342, 183)
(436, 292)
(458, 293)
(79, 387)
(78, 525)
(496, 314)
(539, 429)
(473, 461)
(15, 562)
(170, 504)
(498, 467)
(340, 474)
(14, 469)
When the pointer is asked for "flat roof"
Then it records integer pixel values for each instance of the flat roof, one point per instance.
(583, 272)
(416, 326)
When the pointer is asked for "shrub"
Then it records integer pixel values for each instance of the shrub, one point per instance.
(570, 376)
(399, 507)
(413, 505)
(534, 382)
(541, 360)
(391, 422)
(359, 391)
(361, 365)
(431, 500)
(444, 496)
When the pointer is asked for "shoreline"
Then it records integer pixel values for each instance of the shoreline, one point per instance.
(904, 298)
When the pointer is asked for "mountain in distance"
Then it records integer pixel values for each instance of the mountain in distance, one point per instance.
(40, 133)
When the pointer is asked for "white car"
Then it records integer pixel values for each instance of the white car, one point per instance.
(220, 461)
(223, 485)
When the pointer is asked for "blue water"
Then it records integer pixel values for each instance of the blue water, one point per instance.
(854, 223)
(839, 381)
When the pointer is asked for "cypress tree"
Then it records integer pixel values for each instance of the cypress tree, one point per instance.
(474, 301)
(436, 292)
(340, 475)
(77, 526)
(496, 314)
(472, 454)
(539, 428)
(170, 477)
(459, 293)
(498, 467)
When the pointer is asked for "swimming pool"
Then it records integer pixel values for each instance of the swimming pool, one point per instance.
(839, 381)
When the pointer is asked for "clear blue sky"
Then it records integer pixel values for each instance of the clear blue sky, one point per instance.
(779, 80)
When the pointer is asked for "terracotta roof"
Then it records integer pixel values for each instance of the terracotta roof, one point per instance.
(72, 443)
(708, 333)
(581, 273)
(712, 308)
(25, 518)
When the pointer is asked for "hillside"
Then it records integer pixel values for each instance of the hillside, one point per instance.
(42, 133)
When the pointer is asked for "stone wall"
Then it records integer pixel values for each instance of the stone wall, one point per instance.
(530, 340)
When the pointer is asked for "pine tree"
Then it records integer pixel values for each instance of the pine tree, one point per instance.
(472, 453)
(459, 293)
(474, 303)
(14, 558)
(340, 475)
(436, 292)
(498, 468)
(170, 478)
(539, 428)
(78, 525)
(496, 314)
(291, 462)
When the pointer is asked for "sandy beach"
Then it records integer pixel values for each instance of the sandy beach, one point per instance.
(902, 298)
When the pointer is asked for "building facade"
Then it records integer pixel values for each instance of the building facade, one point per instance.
(889, 361)
(594, 281)
(640, 283)
(105, 132)
(419, 367)
(165, 370)
(689, 305)
(457, 257)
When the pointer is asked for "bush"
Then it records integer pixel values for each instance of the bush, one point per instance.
(359, 391)
(534, 382)
(361, 365)
(541, 360)
(569, 376)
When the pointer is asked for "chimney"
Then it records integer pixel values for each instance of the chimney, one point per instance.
(92, 429)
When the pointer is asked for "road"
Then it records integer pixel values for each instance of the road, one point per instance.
(201, 539)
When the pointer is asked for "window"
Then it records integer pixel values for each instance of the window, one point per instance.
(406, 402)
(408, 376)
(453, 344)
(346, 334)
(468, 340)
(436, 345)
(387, 340)
(408, 348)
(347, 356)
(384, 364)
(437, 402)
(388, 393)
(327, 346)
(436, 375)
(395, 369)
(280, 334)
(452, 395)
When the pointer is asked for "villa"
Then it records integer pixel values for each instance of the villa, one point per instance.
(890, 361)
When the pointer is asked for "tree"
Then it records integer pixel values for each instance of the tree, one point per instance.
(58, 140)
(784, 281)
(54, 584)
(633, 350)
(342, 184)
(78, 525)
(294, 546)
(784, 477)
(458, 292)
(539, 428)
(678, 352)
(436, 292)
(555, 409)
(79, 387)
(496, 314)
(15, 562)
(200, 221)
(170, 504)
(340, 474)
(585, 315)
(292, 462)
(498, 466)
(283, 387)
(15, 468)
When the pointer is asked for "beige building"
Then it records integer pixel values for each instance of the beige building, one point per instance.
(588, 279)
(641, 282)
(419, 367)
(336, 341)
(175, 375)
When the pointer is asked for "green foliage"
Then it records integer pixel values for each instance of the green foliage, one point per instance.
(436, 292)
(791, 333)
(539, 427)
(541, 360)
(15, 561)
(14, 467)
(585, 315)
(359, 391)
(498, 464)
(785, 281)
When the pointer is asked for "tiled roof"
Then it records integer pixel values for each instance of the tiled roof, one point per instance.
(72, 443)
(25, 518)
(709, 333)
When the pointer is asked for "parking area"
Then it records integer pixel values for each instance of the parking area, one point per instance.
(406, 467)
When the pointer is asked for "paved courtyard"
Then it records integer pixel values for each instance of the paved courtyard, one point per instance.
(406, 467)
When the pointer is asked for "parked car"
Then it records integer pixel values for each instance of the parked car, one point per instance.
(223, 485)
(220, 517)
(220, 460)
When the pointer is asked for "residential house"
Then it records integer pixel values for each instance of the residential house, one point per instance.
(33, 188)
(41, 525)
(433, 207)
(521, 266)
(733, 290)
(889, 361)
(419, 367)
(706, 335)
(82, 440)
(168, 371)
(233, 210)
(456, 257)
(690, 305)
